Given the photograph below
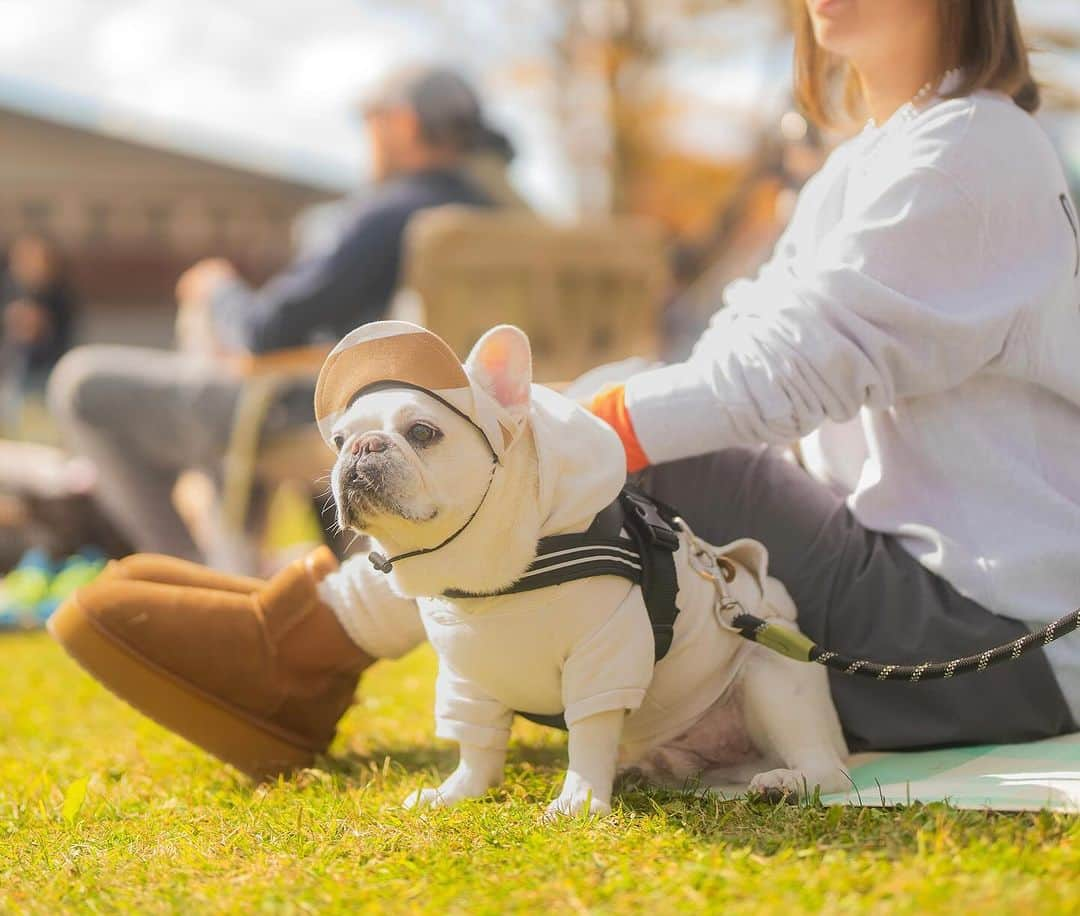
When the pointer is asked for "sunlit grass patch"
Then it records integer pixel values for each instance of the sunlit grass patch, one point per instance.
(101, 810)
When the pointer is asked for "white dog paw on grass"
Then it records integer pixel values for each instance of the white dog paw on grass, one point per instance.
(479, 770)
(443, 797)
(574, 806)
(427, 798)
(578, 797)
(778, 784)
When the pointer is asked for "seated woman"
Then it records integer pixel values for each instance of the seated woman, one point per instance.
(916, 326)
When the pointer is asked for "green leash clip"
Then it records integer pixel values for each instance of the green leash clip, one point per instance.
(787, 642)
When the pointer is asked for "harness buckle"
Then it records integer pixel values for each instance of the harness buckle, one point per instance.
(658, 531)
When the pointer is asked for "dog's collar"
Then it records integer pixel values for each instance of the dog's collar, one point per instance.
(380, 561)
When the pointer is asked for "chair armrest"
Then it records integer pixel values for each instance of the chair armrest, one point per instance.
(295, 361)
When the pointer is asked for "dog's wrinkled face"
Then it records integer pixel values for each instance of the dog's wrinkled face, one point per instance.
(410, 470)
(405, 460)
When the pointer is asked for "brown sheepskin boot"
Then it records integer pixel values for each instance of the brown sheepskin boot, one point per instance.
(258, 678)
(166, 570)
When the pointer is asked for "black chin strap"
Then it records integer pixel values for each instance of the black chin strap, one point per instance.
(385, 564)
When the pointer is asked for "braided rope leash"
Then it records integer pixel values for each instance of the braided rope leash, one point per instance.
(801, 648)
(730, 614)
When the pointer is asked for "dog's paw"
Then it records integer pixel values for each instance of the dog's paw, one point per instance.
(429, 798)
(573, 804)
(780, 785)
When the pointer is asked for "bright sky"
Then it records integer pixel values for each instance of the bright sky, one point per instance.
(282, 75)
(275, 74)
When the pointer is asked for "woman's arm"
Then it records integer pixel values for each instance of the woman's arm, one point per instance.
(907, 297)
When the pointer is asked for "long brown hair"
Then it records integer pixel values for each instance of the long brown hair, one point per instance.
(982, 37)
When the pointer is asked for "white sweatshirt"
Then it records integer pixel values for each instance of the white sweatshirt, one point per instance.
(919, 322)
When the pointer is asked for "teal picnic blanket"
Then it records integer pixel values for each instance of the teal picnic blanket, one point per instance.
(1004, 777)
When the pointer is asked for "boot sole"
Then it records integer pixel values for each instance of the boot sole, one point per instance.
(228, 734)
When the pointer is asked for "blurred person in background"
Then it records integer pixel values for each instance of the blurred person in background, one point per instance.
(145, 416)
(45, 525)
(37, 304)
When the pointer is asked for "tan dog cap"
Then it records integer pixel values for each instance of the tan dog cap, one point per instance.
(398, 351)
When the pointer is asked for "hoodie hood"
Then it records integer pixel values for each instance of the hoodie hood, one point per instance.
(582, 465)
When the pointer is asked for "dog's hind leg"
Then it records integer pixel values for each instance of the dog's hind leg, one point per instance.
(792, 720)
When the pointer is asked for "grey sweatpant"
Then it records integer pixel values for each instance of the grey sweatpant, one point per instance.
(860, 593)
(144, 416)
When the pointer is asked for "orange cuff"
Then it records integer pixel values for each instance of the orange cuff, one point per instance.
(610, 406)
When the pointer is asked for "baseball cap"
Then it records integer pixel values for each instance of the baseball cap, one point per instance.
(384, 354)
(447, 106)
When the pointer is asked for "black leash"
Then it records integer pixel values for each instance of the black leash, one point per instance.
(795, 645)
(791, 644)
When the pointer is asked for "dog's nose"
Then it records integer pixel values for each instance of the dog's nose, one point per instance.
(369, 444)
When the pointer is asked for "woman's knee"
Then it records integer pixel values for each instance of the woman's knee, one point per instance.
(742, 492)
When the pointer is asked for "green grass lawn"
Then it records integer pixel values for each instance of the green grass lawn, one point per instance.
(164, 828)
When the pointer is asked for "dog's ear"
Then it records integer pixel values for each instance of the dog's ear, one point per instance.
(501, 362)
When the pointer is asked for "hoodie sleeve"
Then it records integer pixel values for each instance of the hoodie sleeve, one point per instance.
(466, 714)
(612, 667)
(901, 299)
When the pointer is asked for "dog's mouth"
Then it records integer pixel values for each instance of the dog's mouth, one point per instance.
(369, 489)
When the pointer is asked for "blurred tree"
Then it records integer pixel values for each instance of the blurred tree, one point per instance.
(601, 67)
(618, 52)
(602, 70)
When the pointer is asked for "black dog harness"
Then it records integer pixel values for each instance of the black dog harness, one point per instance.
(646, 558)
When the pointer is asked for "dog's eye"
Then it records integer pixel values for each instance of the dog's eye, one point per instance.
(423, 433)
(339, 441)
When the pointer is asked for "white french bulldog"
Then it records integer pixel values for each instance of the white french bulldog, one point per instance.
(413, 473)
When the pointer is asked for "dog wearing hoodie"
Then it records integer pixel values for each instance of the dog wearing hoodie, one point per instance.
(456, 472)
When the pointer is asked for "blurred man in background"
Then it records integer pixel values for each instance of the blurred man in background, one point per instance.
(144, 416)
(36, 309)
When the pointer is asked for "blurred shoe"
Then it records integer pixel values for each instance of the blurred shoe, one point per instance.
(165, 570)
(258, 679)
(23, 589)
(77, 571)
